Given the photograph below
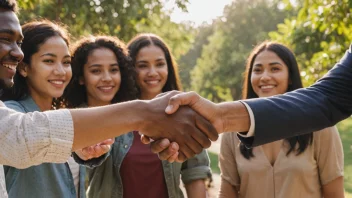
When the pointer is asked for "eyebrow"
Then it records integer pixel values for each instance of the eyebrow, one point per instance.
(54, 55)
(99, 65)
(144, 61)
(8, 31)
(271, 64)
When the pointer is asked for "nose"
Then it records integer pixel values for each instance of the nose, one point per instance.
(59, 70)
(265, 76)
(106, 77)
(17, 53)
(152, 71)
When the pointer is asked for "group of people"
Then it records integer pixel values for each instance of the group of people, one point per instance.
(51, 140)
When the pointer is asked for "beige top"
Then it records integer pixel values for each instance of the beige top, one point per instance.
(291, 176)
(33, 138)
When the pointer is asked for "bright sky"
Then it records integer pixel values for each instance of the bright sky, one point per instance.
(198, 10)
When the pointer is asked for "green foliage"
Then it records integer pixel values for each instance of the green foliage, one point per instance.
(319, 35)
(112, 17)
(218, 72)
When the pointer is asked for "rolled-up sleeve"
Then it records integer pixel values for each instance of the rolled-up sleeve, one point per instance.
(196, 168)
(34, 138)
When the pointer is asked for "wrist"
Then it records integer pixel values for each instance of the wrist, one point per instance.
(141, 109)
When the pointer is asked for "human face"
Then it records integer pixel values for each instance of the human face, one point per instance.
(49, 71)
(101, 76)
(10, 51)
(151, 70)
(270, 75)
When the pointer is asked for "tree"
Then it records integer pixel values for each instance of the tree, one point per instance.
(218, 72)
(319, 35)
(112, 17)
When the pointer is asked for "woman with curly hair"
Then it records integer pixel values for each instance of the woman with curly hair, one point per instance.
(40, 81)
(131, 164)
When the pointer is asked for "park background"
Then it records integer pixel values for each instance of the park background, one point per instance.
(211, 39)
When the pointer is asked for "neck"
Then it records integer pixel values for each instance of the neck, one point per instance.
(43, 103)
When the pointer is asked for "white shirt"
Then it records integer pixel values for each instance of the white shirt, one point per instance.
(33, 138)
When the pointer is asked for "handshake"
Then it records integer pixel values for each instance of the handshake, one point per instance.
(187, 125)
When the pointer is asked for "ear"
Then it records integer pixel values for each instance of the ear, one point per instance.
(23, 69)
(81, 80)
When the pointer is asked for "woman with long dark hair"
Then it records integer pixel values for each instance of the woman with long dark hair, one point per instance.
(40, 81)
(132, 170)
(308, 165)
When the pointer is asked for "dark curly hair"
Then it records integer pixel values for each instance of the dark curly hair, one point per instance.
(75, 93)
(35, 33)
(287, 56)
(9, 5)
(147, 39)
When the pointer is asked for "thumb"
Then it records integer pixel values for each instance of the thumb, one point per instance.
(188, 98)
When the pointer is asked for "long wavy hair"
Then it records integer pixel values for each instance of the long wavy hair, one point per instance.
(287, 56)
(75, 93)
(147, 39)
(35, 33)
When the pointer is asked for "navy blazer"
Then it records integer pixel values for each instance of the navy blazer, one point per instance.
(302, 111)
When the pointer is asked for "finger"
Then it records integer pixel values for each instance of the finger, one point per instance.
(173, 158)
(172, 93)
(195, 146)
(208, 129)
(169, 151)
(188, 152)
(181, 157)
(159, 145)
(188, 98)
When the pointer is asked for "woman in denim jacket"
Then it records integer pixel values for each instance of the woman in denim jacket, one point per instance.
(40, 81)
(132, 170)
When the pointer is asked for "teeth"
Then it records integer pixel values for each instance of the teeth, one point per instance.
(267, 86)
(57, 82)
(13, 67)
(105, 88)
(152, 82)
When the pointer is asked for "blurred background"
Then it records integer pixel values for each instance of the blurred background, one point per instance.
(212, 39)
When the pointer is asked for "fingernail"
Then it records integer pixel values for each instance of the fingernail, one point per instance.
(163, 143)
(173, 146)
(168, 108)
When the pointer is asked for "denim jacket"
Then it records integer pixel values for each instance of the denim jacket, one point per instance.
(45, 180)
(105, 180)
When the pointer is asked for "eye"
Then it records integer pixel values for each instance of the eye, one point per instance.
(160, 64)
(48, 61)
(275, 69)
(68, 62)
(141, 66)
(115, 69)
(256, 69)
(95, 71)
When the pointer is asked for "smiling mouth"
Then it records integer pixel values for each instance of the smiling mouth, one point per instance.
(266, 86)
(9, 66)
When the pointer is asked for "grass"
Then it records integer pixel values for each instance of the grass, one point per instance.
(345, 129)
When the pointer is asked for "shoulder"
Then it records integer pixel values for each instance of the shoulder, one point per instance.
(15, 105)
(326, 134)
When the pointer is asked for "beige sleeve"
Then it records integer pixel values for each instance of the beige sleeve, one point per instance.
(227, 159)
(329, 154)
(34, 138)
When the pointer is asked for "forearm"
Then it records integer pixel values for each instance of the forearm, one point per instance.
(227, 190)
(235, 116)
(196, 189)
(96, 124)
